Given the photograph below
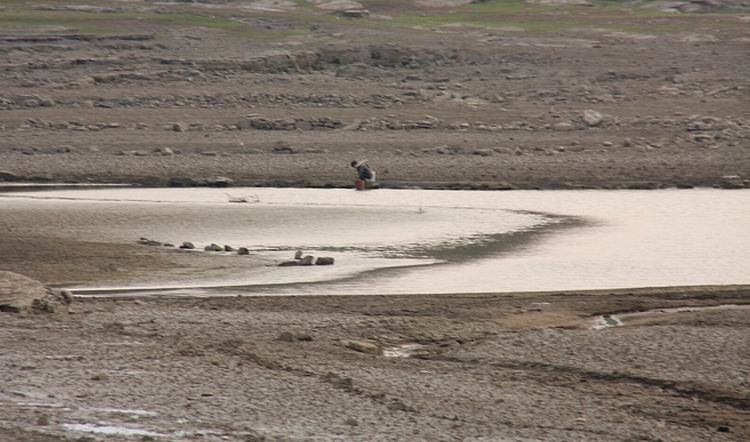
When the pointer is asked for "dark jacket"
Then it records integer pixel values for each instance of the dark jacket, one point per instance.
(364, 172)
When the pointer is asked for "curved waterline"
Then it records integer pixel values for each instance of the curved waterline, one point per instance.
(478, 242)
(439, 255)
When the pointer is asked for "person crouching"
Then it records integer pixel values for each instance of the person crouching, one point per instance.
(365, 175)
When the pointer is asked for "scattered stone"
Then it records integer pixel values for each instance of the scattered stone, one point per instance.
(306, 260)
(592, 118)
(354, 13)
(9, 176)
(220, 181)
(483, 152)
(243, 251)
(294, 337)
(213, 248)
(351, 421)
(187, 245)
(562, 126)
(164, 151)
(179, 127)
(99, 377)
(282, 147)
(228, 248)
(732, 182)
(183, 182)
(298, 254)
(324, 261)
(364, 347)
(149, 242)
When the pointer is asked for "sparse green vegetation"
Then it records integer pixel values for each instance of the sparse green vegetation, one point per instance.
(113, 23)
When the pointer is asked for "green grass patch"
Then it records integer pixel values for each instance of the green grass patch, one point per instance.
(117, 23)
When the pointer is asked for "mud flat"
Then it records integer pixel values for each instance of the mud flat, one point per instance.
(495, 366)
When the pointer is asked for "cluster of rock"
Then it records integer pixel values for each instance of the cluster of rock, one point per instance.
(187, 245)
(229, 100)
(320, 123)
(307, 260)
(693, 6)
(79, 125)
(25, 100)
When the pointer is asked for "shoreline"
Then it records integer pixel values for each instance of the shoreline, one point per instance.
(48, 183)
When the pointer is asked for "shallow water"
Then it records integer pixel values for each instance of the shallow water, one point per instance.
(462, 241)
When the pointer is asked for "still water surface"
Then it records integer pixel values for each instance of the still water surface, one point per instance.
(419, 241)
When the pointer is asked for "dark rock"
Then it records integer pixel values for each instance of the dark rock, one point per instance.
(289, 263)
(324, 261)
(9, 176)
(731, 182)
(282, 147)
(228, 248)
(294, 337)
(179, 127)
(298, 254)
(213, 248)
(220, 181)
(364, 347)
(306, 260)
(243, 251)
(354, 13)
(183, 182)
(187, 245)
(149, 242)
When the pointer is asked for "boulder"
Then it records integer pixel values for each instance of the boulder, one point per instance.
(282, 147)
(324, 261)
(298, 254)
(149, 242)
(368, 347)
(354, 13)
(306, 260)
(294, 337)
(289, 263)
(213, 248)
(179, 127)
(164, 151)
(19, 293)
(183, 182)
(732, 182)
(220, 181)
(187, 245)
(592, 118)
(228, 248)
(9, 176)
(243, 251)
(562, 127)
(483, 152)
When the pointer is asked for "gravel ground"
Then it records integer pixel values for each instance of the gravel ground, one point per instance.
(495, 367)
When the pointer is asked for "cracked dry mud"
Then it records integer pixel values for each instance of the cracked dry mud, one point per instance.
(511, 366)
